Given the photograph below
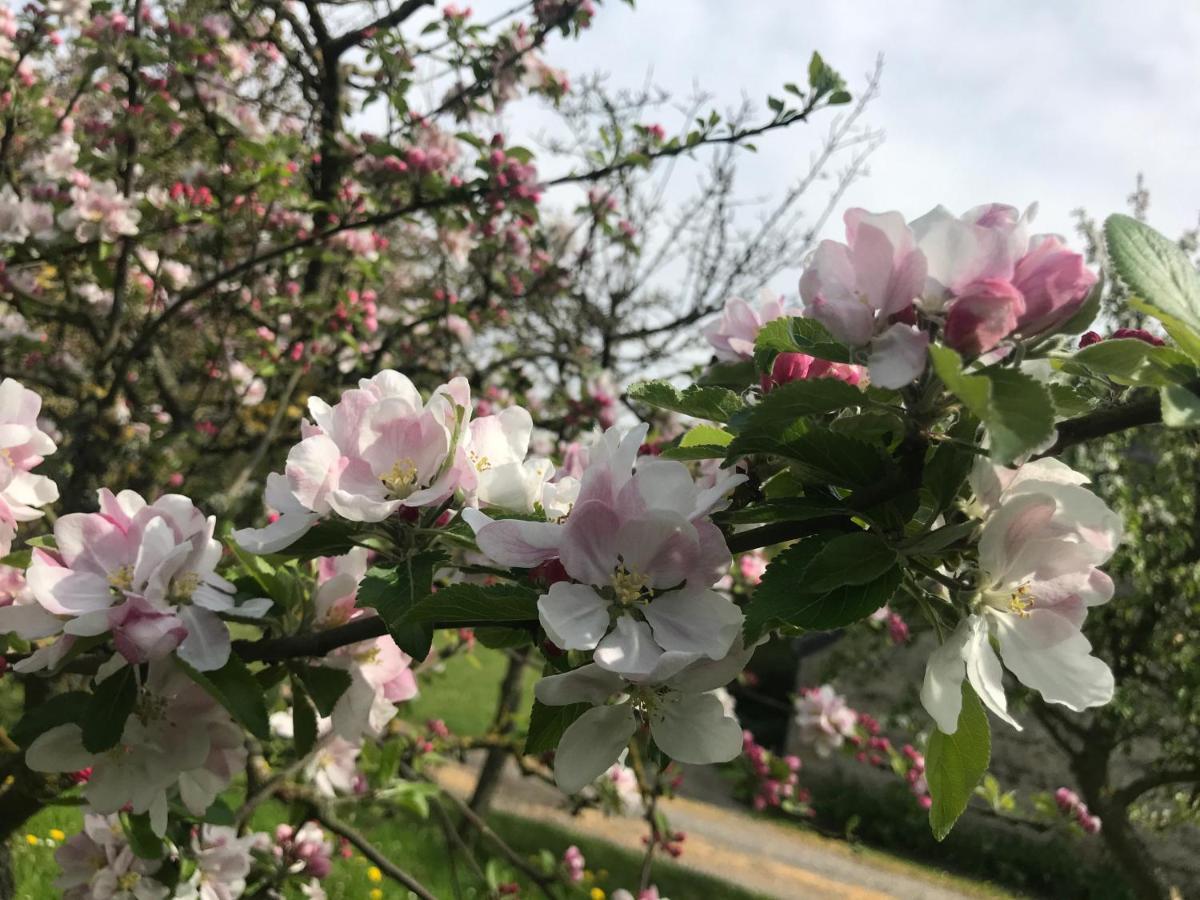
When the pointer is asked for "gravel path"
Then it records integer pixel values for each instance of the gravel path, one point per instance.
(761, 856)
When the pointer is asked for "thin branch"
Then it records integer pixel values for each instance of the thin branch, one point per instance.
(369, 850)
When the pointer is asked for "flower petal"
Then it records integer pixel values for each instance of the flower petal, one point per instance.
(629, 650)
(574, 615)
(694, 728)
(694, 621)
(592, 743)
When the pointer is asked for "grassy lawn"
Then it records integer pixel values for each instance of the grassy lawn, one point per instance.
(416, 845)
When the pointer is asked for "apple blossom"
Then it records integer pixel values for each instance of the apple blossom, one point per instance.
(824, 719)
(641, 553)
(98, 864)
(332, 767)
(866, 287)
(732, 335)
(178, 739)
(146, 573)
(1042, 539)
(686, 718)
(23, 447)
(800, 367)
(223, 861)
(100, 212)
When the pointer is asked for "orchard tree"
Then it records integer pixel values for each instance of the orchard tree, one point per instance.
(895, 439)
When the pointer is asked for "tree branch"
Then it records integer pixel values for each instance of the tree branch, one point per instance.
(352, 38)
(1145, 411)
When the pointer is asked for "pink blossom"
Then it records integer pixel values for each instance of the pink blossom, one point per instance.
(982, 315)
(732, 336)
(146, 573)
(824, 719)
(790, 367)
(23, 447)
(1054, 282)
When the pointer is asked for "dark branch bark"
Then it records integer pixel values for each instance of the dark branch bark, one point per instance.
(1145, 411)
(400, 14)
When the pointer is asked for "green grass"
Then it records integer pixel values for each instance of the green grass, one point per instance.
(463, 692)
(417, 846)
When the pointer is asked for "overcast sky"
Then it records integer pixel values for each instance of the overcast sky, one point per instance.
(1060, 102)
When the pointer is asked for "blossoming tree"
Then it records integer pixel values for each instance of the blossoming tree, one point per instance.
(892, 440)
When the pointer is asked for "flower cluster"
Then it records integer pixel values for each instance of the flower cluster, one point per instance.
(1070, 805)
(382, 449)
(979, 276)
(99, 863)
(637, 556)
(824, 720)
(773, 781)
(145, 573)
(1043, 537)
(23, 446)
(179, 743)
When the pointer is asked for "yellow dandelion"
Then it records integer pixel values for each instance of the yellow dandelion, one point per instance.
(373, 874)
(32, 840)
(597, 893)
(57, 835)
(376, 894)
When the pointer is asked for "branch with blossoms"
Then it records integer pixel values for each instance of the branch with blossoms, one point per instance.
(890, 441)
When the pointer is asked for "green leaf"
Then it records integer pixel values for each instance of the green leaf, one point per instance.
(394, 591)
(1015, 409)
(1133, 362)
(1158, 271)
(706, 436)
(715, 403)
(499, 638)
(61, 709)
(821, 456)
(950, 463)
(848, 559)
(796, 334)
(1068, 402)
(955, 764)
(788, 509)
(1023, 414)
(739, 375)
(781, 414)
(325, 685)
(781, 597)
(702, 442)
(112, 703)
(219, 814)
(547, 724)
(236, 689)
(144, 843)
(1180, 407)
(466, 604)
(304, 720)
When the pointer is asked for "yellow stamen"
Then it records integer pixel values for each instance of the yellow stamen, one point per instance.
(1021, 601)
(481, 463)
(401, 479)
(628, 585)
(122, 579)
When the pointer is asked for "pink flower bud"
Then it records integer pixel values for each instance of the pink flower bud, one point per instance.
(984, 314)
(1054, 282)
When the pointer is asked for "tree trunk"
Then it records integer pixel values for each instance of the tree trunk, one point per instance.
(1136, 863)
(502, 724)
